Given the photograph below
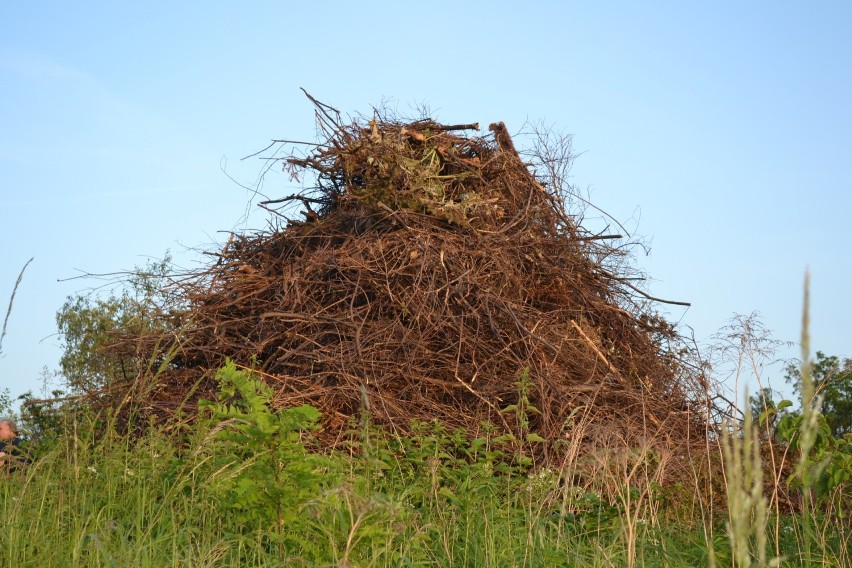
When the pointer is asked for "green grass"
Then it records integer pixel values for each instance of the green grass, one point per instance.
(434, 499)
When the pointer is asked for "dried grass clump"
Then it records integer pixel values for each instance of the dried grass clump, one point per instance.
(432, 269)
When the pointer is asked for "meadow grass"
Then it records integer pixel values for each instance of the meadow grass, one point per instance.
(431, 500)
(97, 498)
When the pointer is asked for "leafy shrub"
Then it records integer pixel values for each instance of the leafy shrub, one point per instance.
(264, 474)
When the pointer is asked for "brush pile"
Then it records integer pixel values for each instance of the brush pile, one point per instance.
(432, 270)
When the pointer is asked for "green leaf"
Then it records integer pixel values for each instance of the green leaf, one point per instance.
(532, 409)
(504, 438)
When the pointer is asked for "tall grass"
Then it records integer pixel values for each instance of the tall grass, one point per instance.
(434, 499)
(819, 534)
(747, 507)
(11, 303)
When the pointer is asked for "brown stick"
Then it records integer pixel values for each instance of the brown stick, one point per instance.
(645, 294)
(598, 352)
(448, 127)
(609, 365)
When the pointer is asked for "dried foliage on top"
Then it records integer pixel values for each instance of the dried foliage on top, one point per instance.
(431, 271)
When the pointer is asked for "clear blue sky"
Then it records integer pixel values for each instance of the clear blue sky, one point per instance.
(719, 131)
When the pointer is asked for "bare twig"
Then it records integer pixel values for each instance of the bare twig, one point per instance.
(324, 109)
(645, 294)
(598, 352)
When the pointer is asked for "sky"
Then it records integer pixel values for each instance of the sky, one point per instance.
(717, 132)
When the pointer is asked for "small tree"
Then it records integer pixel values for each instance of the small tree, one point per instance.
(266, 475)
(90, 325)
(832, 378)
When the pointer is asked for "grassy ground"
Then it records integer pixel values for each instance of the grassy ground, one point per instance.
(247, 488)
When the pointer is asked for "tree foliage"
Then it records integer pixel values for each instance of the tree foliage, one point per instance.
(766, 411)
(89, 325)
(833, 381)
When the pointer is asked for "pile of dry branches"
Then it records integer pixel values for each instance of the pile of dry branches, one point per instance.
(432, 270)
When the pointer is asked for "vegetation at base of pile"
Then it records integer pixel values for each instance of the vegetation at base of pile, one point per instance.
(247, 485)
